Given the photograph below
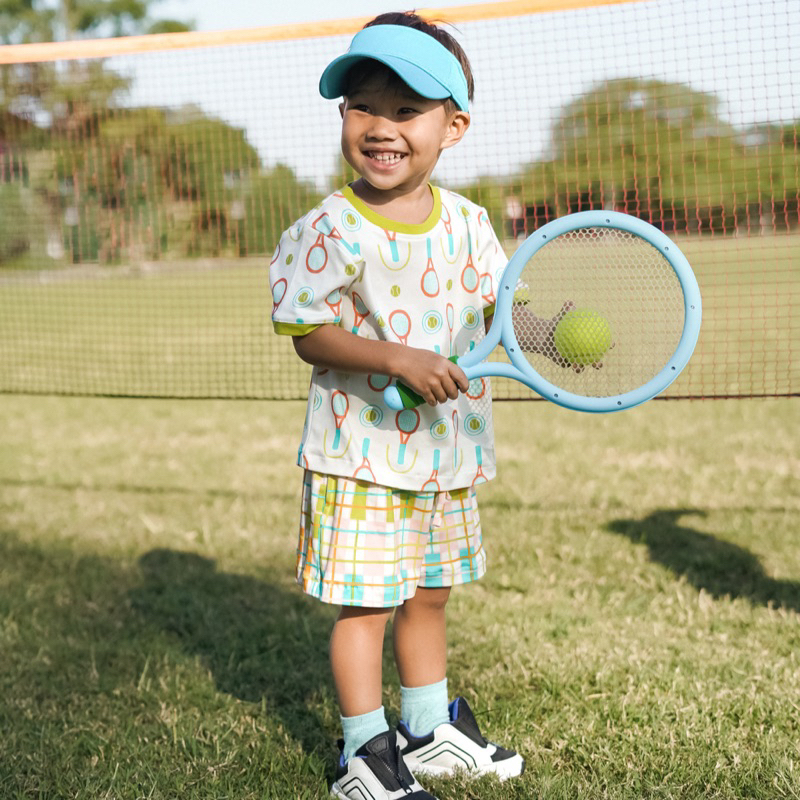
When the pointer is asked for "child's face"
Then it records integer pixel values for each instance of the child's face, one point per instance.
(392, 136)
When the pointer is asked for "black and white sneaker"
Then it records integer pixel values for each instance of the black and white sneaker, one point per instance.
(377, 772)
(457, 745)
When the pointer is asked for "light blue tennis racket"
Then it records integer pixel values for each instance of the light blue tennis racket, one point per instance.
(615, 273)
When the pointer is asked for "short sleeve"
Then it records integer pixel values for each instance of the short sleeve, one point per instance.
(308, 275)
(492, 261)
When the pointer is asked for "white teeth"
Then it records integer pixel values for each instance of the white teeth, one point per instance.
(386, 158)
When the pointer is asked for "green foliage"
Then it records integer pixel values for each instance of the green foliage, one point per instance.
(118, 17)
(343, 175)
(74, 96)
(625, 130)
(14, 232)
(153, 183)
(661, 150)
(491, 193)
(201, 157)
(32, 21)
(170, 26)
(274, 201)
(23, 21)
(149, 182)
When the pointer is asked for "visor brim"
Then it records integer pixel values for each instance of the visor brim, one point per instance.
(333, 82)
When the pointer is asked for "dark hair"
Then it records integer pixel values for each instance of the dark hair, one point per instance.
(412, 20)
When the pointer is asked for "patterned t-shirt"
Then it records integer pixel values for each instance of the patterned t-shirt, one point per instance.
(427, 286)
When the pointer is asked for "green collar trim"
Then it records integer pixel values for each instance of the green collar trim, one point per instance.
(391, 225)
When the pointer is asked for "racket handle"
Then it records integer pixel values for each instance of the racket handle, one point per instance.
(400, 396)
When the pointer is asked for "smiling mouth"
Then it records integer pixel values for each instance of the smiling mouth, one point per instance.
(382, 157)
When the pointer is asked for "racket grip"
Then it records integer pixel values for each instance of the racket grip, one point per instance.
(400, 396)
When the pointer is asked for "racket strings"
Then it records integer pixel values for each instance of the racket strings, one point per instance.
(598, 311)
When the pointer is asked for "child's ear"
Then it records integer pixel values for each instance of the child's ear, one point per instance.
(456, 129)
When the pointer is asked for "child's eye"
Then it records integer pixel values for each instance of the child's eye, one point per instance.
(407, 110)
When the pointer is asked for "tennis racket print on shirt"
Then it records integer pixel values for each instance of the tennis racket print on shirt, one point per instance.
(400, 323)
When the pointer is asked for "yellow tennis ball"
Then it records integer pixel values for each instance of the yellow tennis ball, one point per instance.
(582, 337)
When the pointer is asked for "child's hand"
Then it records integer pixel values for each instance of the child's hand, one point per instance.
(435, 378)
(537, 335)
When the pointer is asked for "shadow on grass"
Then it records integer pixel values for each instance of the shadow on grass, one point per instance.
(718, 567)
(84, 627)
(260, 641)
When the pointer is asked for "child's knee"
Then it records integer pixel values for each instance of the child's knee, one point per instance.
(429, 599)
(367, 618)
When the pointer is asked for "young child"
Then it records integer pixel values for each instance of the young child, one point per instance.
(384, 280)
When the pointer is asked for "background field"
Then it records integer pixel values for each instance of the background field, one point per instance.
(636, 636)
(201, 329)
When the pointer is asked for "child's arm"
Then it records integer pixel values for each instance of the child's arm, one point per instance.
(432, 376)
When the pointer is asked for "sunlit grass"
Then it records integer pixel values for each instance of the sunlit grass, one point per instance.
(636, 635)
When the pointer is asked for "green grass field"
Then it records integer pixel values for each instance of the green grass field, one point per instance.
(202, 329)
(191, 330)
(636, 636)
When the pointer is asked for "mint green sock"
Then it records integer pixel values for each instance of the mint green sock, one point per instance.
(359, 730)
(424, 707)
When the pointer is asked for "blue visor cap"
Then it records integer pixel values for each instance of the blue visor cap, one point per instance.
(428, 67)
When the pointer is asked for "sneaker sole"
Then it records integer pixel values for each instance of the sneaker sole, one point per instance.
(508, 768)
(338, 793)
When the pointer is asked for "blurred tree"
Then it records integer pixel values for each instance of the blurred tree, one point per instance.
(14, 239)
(660, 151)
(162, 180)
(70, 100)
(491, 193)
(23, 21)
(343, 175)
(153, 183)
(70, 93)
(275, 199)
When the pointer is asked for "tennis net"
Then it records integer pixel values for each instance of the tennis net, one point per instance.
(144, 182)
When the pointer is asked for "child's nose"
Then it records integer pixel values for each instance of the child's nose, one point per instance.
(381, 128)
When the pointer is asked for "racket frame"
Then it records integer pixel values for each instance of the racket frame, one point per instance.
(475, 363)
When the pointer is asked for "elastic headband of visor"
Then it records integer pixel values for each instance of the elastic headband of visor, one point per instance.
(424, 64)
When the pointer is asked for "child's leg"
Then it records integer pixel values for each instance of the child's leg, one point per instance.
(357, 658)
(420, 637)
(420, 649)
(435, 737)
(356, 652)
(355, 542)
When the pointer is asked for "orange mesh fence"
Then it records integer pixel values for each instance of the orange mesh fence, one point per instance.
(144, 182)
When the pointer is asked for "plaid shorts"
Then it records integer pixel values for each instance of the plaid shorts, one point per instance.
(362, 544)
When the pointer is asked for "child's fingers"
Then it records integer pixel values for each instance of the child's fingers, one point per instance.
(440, 395)
(435, 378)
(460, 379)
(566, 307)
(449, 386)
